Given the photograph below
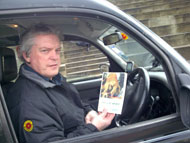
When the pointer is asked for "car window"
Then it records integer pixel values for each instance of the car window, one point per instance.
(131, 50)
(81, 60)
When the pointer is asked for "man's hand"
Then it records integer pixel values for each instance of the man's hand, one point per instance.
(101, 120)
(90, 116)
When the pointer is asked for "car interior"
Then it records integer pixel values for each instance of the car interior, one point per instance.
(148, 95)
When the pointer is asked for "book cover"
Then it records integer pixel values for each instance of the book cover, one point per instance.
(112, 92)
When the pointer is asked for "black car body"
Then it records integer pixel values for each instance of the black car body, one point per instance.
(84, 23)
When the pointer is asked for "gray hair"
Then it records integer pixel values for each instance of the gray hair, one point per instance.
(27, 40)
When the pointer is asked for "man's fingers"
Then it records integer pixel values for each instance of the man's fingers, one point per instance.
(110, 115)
(103, 113)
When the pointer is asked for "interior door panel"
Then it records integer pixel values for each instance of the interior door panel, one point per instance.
(89, 91)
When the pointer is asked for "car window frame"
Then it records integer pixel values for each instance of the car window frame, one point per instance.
(159, 52)
(5, 121)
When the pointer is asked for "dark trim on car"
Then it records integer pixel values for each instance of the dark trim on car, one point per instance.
(134, 132)
(6, 123)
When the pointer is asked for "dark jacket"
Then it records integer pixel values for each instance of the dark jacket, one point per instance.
(43, 111)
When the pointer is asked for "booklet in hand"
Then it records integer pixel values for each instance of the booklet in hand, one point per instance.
(112, 92)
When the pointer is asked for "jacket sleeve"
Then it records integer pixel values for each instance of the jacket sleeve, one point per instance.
(47, 123)
(44, 126)
(82, 130)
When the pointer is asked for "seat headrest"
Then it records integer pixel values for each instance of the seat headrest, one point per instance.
(8, 66)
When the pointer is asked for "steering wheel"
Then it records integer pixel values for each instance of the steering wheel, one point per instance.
(136, 97)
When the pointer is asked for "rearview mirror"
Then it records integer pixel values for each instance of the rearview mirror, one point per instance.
(112, 38)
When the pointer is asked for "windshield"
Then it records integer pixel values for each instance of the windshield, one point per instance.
(131, 50)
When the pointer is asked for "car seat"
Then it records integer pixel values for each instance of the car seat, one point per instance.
(8, 69)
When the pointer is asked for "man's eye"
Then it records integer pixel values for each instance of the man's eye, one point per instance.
(58, 50)
(44, 50)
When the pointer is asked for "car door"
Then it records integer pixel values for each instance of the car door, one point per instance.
(89, 86)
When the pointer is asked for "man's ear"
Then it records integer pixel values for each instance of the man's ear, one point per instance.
(26, 57)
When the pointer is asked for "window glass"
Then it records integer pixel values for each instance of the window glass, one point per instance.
(81, 60)
(129, 49)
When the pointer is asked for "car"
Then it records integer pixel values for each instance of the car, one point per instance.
(98, 37)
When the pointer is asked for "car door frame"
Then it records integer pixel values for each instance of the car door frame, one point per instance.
(163, 125)
(6, 127)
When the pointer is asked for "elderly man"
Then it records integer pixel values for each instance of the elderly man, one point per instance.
(42, 105)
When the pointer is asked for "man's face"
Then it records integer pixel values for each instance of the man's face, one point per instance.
(44, 56)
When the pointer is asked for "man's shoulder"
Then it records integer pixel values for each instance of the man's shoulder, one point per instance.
(23, 89)
(23, 84)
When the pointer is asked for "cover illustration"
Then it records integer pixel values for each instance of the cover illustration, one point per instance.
(112, 92)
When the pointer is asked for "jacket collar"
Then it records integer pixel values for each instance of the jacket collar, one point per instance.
(44, 82)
